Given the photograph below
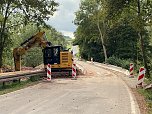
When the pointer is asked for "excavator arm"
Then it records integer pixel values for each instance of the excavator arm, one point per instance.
(37, 39)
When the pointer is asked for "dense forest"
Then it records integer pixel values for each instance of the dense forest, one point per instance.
(116, 32)
(21, 19)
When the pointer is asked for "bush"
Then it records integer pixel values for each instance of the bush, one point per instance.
(119, 62)
(33, 57)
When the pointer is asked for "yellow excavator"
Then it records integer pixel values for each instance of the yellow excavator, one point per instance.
(55, 55)
(26, 45)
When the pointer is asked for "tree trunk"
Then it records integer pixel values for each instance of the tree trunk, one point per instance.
(1, 51)
(102, 40)
(143, 54)
(141, 39)
(2, 39)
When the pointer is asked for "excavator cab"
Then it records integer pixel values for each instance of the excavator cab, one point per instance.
(51, 55)
(60, 60)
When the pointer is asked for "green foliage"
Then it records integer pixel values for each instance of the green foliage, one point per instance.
(148, 97)
(34, 11)
(89, 42)
(119, 25)
(93, 13)
(122, 42)
(7, 53)
(55, 37)
(124, 63)
(13, 86)
(35, 78)
(15, 14)
(33, 57)
(116, 7)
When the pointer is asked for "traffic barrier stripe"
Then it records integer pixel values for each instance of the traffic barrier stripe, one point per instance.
(141, 76)
(74, 70)
(49, 72)
(131, 70)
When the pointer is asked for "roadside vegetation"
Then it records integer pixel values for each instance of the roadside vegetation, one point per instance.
(17, 85)
(148, 97)
(19, 20)
(118, 32)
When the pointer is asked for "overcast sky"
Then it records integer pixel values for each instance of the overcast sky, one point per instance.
(62, 19)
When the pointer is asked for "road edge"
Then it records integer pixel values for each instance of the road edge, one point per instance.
(135, 108)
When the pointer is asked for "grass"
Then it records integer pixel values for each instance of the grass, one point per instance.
(148, 81)
(148, 97)
(13, 86)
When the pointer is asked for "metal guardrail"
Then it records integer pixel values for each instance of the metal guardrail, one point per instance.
(11, 77)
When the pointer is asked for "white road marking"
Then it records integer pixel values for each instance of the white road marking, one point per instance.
(132, 101)
(134, 106)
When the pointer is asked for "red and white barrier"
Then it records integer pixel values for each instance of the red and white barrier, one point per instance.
(141, 76)
(74, 74)
(91, 60)
(48, 72)
(131, 70)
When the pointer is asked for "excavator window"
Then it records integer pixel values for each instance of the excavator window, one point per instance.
(51, 55)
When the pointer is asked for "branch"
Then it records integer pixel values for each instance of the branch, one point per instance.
(134, 9)
(11, 11)
(25, 12)
(4, 24)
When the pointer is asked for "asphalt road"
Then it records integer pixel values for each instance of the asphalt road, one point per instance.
(97, 92)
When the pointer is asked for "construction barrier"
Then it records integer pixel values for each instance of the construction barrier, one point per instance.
(91, 60)
(74, 74)
(141, 77)
(48, 72)
(131, 70)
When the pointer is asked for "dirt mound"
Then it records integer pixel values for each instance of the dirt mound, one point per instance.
(40, 66)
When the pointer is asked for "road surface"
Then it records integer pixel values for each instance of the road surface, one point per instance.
(99, 91)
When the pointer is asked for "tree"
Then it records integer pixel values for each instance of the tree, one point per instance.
(92, 11)
(122, 42)
(31, 11)
(34, 56)
(142, 20)
(89, 42)
(139, 13)
(101, 16)
(101, 22)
